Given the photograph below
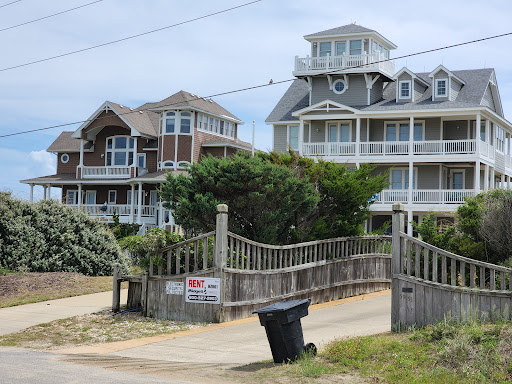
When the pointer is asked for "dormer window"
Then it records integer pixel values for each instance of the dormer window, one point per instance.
(441, 87)
(119, 151)
(404, 89)
(325, 49)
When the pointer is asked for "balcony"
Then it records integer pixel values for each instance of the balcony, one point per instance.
(425, 196)
(375, 62)
(123, 210)
(106, 172)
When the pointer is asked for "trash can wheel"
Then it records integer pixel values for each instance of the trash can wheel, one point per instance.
(310, 349)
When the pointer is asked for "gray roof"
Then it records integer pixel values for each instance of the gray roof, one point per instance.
(66, 143)
(145, 122)
(223, 142)
(470, 96)
(349, 28)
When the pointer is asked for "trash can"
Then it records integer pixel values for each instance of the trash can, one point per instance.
(284, 331)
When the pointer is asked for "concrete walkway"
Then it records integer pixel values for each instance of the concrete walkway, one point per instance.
(14, 319)
(244, 341)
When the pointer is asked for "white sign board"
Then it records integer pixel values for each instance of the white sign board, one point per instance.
(202, 290)
(174, 287)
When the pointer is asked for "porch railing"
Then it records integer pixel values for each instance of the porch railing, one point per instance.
(372, 60)
(118, 209)
(105, 172)
(425, 196)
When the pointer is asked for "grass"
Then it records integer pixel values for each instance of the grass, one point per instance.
(443, 353)
(25, 288)
(92, 329)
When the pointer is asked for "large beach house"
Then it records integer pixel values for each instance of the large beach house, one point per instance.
(441, 135)
(115, 161)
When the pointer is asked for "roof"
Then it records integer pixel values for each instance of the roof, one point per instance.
(144, 121)
(186, 99)
(66, 143)
(344, 29)
(221, 142)
(470, 96)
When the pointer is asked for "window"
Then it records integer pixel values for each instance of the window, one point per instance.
(338, 87)
(390, 132)
(355, 47)
(339, 132)
(120, 151)
(211, 125)
(418, 132)
(341, 47)
(441, 87)
(482, 131)
(399, 178)
(141, 160)
(64, 158)
(325, 49)
(185, 122)
(400, 131)
(458, 178)
(129, 197)
(183, 164)
(72, 197)
(404, 89)
(404, 132)
(112, 196)
(90, 197)
(170, 122)
(153, 198)
(168, 164)
(293, 137)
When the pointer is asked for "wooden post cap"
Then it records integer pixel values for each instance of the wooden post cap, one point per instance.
(222, 208)
(398, 207)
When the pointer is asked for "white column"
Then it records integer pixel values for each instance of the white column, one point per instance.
(49, 192)
(139, 205)
(492, 185)
(31, 193)
(79, 198)
(411, 135)
(477, 133)
(502, 186)
(368, 130)
(44, 192)
(301, 137)
(411, 181)
(358, 136)
(477, 177)
(486, 177)
(135, 163)
(487, 131)
(508, 182)
(409, 222)
(82, 152)
(132, 205)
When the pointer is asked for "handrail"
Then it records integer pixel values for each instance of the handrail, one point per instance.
(182, 243)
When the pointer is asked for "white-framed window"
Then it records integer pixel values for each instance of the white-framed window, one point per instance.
(178, 122)
(399, 131)
(458, 178)
(356, 47)
(293, 137)
(399, 178)
(119, 151)
(339, 131)
(129, 197)
(64, 158)
(215, 126)
(141, 160)
(168, 164)
(183, 164)
(441, 87)
(72, 197)
(404, 89)
(341, 47)
(324, 48)
(339, 87)
(112, 196)
(90, 197)
(153, 198)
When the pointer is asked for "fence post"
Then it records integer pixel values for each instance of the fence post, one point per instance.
(221, 252)
(116, 289)
(396, 262)
(144, 294)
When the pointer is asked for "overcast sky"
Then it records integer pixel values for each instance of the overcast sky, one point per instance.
(234, 50)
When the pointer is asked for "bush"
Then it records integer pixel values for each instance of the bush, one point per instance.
(50, 237)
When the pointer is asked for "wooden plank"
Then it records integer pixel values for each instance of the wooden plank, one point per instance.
(264, 255)
(237, 265)
(187, 258)
(205, 253)
(178, 256)
(472, 276)
(463, 273)
(493, 279)
(434, 267)
(409, 258)
(453, 272)
(248, 254)
(443, 269)
(419, 305)
(428, 305)
(281, 258)
(169, 262)
(231, 252)
(417, 260)
(426, 264)
(503, 283)
(258, 256)
(196, 254)
(482, 277)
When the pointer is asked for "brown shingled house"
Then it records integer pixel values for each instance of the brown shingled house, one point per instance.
(115, 161)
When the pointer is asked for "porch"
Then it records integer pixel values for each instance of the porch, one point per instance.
(424, 196)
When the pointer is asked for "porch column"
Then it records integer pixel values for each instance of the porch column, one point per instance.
(411, 135)
(409, 222)
(411, 181)
(358, 136)
(132, 205)
(31, 193)
(477, 133)
(493, 179)
(477, 177)
(49, 192)
(135, 163)
(44, 192)
(79, 198)
(139, 205)
(487, 131)
(508, 182)
(486, 177)
(301, 136)
(502, 186)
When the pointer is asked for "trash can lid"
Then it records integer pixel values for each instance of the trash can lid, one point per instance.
(283, 306)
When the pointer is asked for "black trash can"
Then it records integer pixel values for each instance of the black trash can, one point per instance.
(284, 331)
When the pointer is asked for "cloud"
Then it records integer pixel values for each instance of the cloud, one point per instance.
(43, 161)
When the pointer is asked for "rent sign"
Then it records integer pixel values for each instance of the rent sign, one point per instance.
(202, 290)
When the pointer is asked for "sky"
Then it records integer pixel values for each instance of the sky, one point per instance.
(237, 49)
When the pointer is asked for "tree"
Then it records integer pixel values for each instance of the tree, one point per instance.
(266, 201)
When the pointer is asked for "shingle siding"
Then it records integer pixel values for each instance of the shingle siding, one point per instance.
(355, 95)
(455, 89)
(488, 100)
(280, 139)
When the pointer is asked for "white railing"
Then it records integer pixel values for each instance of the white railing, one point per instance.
(486, 149)
(329, 149)
(118, 209)
(425, 196)
(105, 172)
(373, 61)
(441, 147)
(385, 148)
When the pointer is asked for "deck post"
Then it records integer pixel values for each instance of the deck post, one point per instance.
(221, 252)
(116, 292)
(144, 294)
(398, 226)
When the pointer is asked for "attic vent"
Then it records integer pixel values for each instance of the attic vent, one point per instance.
(211, 101)
(131, 109)
(203, 98)
(192, 95)
(140, 111)
(121, 106)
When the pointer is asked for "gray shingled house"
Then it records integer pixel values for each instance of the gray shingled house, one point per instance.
(443, 130)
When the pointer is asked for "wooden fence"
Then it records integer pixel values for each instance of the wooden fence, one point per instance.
(254, 275)
(430, 284)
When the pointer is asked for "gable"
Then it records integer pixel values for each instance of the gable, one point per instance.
(488, 99)
(105, 118)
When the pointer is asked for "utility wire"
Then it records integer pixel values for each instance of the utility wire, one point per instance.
(12, 2)
(47, 17)
(261, 85)
(130, 37)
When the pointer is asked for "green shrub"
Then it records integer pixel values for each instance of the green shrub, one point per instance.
(50, 237)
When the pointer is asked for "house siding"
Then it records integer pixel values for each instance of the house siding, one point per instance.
(318, 131)
(488, 100)
(356, 94)
(455, 89)
(419, 90)
(280, 139)
(70, 166)
(455, 130)
(376, 91)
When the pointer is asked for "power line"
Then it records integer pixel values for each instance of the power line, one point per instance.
(130, 37)
(47, 17)
(263, 85)
(12, 2)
